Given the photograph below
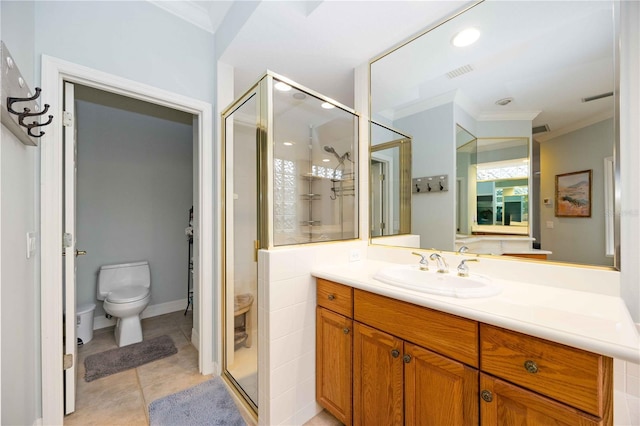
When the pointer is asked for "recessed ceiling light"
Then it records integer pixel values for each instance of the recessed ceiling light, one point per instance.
(283, 87)
(288, 143)
(466, 37)
(325, 160)
(504, 101)
(299, 96)
(327, 105)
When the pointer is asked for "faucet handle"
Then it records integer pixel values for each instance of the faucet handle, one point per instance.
(463, 249)
(424, 263)
(463, 268)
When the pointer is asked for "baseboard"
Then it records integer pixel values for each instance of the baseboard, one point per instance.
(150, 311)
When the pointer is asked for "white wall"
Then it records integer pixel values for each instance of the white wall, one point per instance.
(20, 286)
(630, 156)
(20, 396)
(573, 239)
(134, 194)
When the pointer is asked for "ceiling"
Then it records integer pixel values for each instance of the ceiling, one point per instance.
(315, 43)
(319, 44)
(545, 56)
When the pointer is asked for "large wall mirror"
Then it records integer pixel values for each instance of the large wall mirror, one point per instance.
(511, 105)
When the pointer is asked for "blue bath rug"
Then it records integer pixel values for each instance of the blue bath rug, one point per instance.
(208, 403)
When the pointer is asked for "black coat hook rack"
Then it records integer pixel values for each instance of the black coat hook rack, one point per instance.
(27, 113)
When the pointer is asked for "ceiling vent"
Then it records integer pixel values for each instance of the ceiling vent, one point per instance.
(459, 71)
(596, 97)
(540, 129)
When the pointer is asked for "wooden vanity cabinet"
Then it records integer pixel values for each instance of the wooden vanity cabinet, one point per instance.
(411, 365)
(334, 349)
(396, 381)
(569, 385)
(507, 404)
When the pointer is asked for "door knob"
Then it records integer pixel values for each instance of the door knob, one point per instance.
(78, 253)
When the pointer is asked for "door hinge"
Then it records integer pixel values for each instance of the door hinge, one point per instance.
(67, 361)
(67, 240)
(256, 247)
(382, 225)
(67, 119)
(382, 177)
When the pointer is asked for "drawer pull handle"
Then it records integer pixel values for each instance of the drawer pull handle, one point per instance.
(531, 366)
(345, 330)
(395, 353)
(331, 297)
(486, 395)
(406, 359)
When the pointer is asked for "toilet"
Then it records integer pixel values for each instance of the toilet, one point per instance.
(126, 291)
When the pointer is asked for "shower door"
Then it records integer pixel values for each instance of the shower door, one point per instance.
(241, 153)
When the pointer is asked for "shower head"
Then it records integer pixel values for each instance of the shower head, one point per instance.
(346, 155)
(332, 150)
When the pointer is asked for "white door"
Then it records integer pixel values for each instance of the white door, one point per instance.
(70, 253)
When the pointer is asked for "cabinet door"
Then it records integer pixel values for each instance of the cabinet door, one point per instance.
(505, 404)
(334, 363)
(377, 377)
(438, 390)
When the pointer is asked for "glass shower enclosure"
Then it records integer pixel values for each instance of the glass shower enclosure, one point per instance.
(290, 177)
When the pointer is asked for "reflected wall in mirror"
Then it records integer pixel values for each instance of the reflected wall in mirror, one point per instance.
(390, 180)
(545, 88)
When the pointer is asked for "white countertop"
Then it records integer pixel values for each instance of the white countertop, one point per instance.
(589, 321)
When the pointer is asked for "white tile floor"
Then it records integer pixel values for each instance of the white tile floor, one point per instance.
(124, 398)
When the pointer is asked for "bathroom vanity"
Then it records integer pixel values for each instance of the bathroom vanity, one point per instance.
(391, 356)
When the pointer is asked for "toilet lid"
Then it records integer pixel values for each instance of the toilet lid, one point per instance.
(128, 294)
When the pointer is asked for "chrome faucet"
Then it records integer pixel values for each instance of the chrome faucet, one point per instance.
(424, 264)
(463, 268)
(463, 249)
(443, 268)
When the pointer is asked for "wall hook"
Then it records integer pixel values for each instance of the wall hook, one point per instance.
(27, 113)
(12, 100)
(35, 124)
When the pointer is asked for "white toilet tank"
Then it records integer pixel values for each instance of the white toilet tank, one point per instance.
(112, 277)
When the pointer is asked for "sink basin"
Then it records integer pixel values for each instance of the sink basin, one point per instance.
(447, 284)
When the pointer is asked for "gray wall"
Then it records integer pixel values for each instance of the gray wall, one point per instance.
(19, 213)
(132, 39)
(432, 152)
(134, 194)
(576, 239)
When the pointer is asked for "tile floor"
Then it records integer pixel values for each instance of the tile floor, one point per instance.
(124, 398)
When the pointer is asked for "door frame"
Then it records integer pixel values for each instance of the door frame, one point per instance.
(54, 72)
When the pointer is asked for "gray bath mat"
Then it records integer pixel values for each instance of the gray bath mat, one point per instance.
(208, 403)
(131, 356)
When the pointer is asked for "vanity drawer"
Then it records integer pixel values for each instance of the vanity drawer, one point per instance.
(444, 333)
(336, 297)
(579, 378)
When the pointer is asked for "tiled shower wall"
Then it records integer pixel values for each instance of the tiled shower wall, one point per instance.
(286, 310)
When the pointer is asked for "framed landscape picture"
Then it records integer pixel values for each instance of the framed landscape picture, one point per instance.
(573, 194)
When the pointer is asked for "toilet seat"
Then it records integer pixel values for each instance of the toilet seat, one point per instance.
(128, 294)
